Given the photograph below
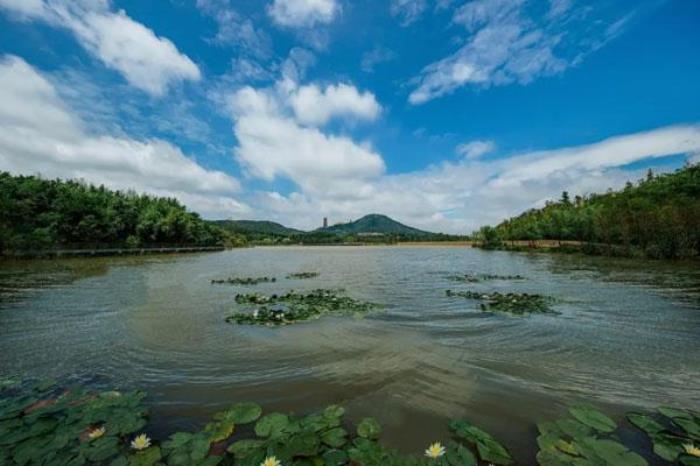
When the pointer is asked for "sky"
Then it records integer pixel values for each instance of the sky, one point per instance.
(443, 114)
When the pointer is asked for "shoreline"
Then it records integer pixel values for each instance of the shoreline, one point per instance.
(108, 252)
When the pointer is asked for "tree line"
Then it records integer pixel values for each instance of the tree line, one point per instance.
(658, 217)
(40, 214)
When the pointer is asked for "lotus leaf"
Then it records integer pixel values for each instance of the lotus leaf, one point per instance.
(147, 457)
(245, 448)
(294, 307)
(245, 280)
(369, 428)
(302, 444)
(593, 418)
(573, 428)
(241, 413)
(271, 425)
(668, 446)
(335, 437)
(688, 460)
(219, 431)
(512, 303)
(457, 455)
(177, 440)
(690, 426)
(335, 457)
(609, 452)
(646, 423)
(675, 413)
(488, 448)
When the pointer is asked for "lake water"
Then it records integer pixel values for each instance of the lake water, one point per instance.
(627, 337)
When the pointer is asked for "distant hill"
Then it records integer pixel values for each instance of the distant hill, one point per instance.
(373, 223)
(256, 227)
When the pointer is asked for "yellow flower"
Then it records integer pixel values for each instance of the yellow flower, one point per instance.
(97, 432)
(271, 461)
(141, 442)
(692, 449)
(436, 450)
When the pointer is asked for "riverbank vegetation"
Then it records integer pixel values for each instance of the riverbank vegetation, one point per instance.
(38, 214)
(659, 217)
(46, 423)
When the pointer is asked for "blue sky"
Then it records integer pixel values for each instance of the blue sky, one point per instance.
(444, 114)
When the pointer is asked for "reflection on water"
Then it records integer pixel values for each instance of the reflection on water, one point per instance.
(627, 337)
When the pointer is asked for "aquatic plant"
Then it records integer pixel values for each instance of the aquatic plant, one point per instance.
(691, 449)
(674, 433)
(469, 278)
(587, 439)
(244, 280)
(435, 450)
(512, 303)
(43, 423)
(271, 461)
(96, 433)
(141, 442)
(302, 275)
(295, 307)
(488, 448)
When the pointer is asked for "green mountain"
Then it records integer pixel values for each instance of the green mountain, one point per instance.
(373, 224)
(256, 227)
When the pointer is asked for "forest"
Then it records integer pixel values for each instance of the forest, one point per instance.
(658, 217)
(38, 214)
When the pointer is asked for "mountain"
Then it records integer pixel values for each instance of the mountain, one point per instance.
(256, 227)
(373, 223)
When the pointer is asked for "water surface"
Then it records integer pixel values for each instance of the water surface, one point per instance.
(627, 337)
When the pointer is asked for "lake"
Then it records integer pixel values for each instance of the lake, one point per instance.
(627, 337)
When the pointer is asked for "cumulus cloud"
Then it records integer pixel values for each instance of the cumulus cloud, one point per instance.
(506, 43)
(273, 141)
(475, 149)
(146, 61)
(460, 196)
(40, 135)
(315, 106)
(303, 13)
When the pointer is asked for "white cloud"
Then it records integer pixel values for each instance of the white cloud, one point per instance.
(506, 44)
(40, 135)
(613, 152)
(408, 11)
(273, 143)
(146, 61)
(279, 134)
(303, 13)
(475, 149)
(235, 30)
(315, 106)
(374, 57)
(461, 196)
